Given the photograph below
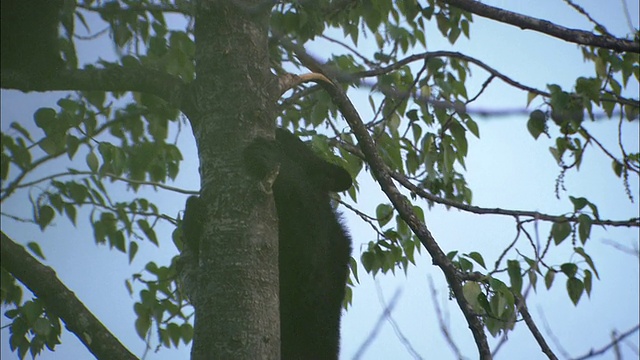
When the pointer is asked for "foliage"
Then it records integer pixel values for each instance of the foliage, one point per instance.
(421, 126)
(33, 328)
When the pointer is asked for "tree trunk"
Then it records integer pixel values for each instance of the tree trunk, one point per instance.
(237, 313)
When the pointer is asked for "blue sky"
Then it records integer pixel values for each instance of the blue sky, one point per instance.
(506, 168)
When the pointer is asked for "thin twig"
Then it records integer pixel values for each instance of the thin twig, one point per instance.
(444, 326)
(403, 339)
(378, 325)
(616, 340)
(582, 11)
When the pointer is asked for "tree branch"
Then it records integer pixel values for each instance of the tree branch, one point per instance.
(44, 283)
(524, 311)
(616, 340)
(546, 27)
(634, 222)
(457, 55)
(405, 182)
(115, 78)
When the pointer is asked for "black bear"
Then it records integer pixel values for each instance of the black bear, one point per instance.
(314, 247)
(29, 30)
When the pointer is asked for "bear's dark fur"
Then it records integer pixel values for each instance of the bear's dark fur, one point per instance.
(29, 36)
(314, 246)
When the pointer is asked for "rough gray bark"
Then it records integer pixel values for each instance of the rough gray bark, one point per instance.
(237, 301)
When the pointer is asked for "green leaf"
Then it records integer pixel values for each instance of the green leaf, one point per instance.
(45, 215)
(459, 138)
(584, 227)
(143, 324)
(128, 286)
(148, 231)
(42, 327)
(45, 118)
(473, 127)
(617, 168)
(594, 210)
(151, 267)
(48, 145)
(35, 248)
(21, 130)
(471, 290)
(4, 166)
(56, 201)
(560, 231)
(384, 214)
(578, 203)
(70, 210)
(187, 332)
(77, 192)
(537, 123)
(117, 240)
(72, 145)
(477, 257)
(92, 161)
(570, 269)
(533, 279)
(353, 265)
(575, 287)
(588, 281)
(95, 98)
(175, 333)
(32, 310)
(513, 268)
(133, 249)
(588, 259)
(465, 265)
(368, 260)
(419, 213)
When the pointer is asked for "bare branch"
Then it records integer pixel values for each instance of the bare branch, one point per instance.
(43, 282)
(444, 325)
(634, 222)
(546, 27)
(627, 15)
(582, 11)
(524, 311)
(376, 328)
(632, 250)
(616, 340)
(387, 314)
